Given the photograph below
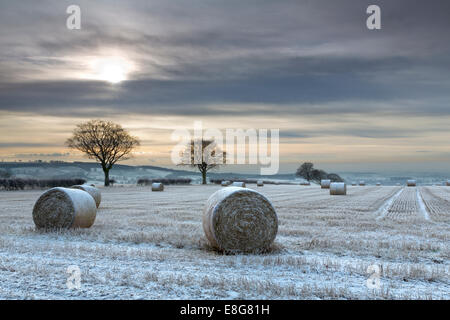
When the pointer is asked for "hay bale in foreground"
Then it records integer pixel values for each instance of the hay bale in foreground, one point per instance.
(157, 186)
(447, 183)
(239, 220)
(411, 183)
(94, 192)
(225, 183)
(238, 184)
(362, 183)
(325, 184)
(64, 208)
(260, 183)
(338, 189)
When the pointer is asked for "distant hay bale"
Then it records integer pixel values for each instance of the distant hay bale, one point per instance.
(239, 220)
(238, 184)
(378, 184)
(447, 183)
(353, 183)
(325, 184)
(411, 183)
(94, 192)
(157, 186)
(64, 208)
(305, 183)
(338, 189)
(225, 183)
(259, 183)
(362, 183)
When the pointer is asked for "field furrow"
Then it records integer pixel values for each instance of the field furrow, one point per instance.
(406, 207)
(437, 202)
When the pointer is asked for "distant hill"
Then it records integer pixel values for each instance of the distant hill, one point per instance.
(124, 174)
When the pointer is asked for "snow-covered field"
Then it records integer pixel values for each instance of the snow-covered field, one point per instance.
(150, 245)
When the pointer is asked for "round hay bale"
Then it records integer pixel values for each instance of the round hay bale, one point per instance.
(239, 220)
(362, 183)
(225, 183)
(411, 183)
(94, 192)
(260, 183)
(325, 184)
(353, 184)
(338, 189)
(238, 184)
(157, 186)
(378, 184)
(447, 183)
(305, 183)
(64, 208)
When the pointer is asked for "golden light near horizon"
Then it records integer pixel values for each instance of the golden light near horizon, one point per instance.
(111, 69)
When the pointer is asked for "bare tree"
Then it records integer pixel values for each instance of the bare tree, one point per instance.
(306, 171)
(203, 155)
(104, 141)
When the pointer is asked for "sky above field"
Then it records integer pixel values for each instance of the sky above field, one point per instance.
(341, 95)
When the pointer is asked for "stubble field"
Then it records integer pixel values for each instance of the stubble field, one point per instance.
(151, 245)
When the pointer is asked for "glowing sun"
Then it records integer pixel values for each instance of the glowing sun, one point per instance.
(111, 69)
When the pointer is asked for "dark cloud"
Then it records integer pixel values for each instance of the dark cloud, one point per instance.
(33, 155)
(24, 145)
(284, 57)
(368, 131)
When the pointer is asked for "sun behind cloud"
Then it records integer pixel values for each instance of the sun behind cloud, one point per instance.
(111, 69)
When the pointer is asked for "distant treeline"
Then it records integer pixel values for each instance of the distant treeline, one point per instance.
(219, 181)
(147, 182)
(22, 184)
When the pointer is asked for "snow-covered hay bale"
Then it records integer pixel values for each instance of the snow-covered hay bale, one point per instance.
(447, 183)
(259, 183)
(325, 184)
(64, 208)
(238, 184)
(411, 183)
(225, 183)
(362, 183)
(157, 186)
(378, 184)
(239, 220)
(338, 189)
(305, 183)
(94, 192)
(353, 183)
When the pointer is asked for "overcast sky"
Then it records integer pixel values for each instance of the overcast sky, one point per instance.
(338, 92)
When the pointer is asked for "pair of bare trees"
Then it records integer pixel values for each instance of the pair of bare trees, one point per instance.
(107, 143)
(309, 173)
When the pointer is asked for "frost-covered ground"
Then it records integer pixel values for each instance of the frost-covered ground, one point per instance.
(147, 245)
